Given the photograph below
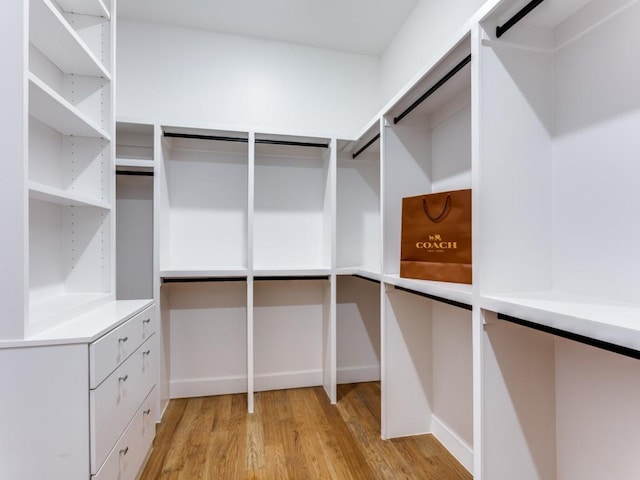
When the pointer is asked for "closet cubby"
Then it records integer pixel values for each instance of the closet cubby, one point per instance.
(358, 221)
(291, 329)
(428, 371)
(134, 146)
(134, 236)
(427, 149)
(357, 329)
(69, 261)
(135, 190)
(293, 202)
(555, 408)
(82, 50)
(204, 203)
(207, 336)
(68, 169)
(559, 113)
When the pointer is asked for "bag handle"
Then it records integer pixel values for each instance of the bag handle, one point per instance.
(443, 214)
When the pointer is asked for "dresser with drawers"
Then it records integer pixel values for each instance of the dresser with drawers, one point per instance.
(80, 401)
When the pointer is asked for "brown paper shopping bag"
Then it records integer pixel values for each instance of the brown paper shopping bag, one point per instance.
(436, 237)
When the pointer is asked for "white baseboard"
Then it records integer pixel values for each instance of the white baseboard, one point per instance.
(202, 387)
(358, 374)
(453, 443)
(284, 380)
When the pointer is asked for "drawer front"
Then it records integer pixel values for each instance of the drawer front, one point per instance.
(127, 457)
(110, 350)
(116, 400)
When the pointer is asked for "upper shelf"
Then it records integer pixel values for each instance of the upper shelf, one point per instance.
(45, 193)
(135, 163)
(611, 322)
(92, 7)
(451, 292)
(48, 106)
(184, 274)
(50, 33)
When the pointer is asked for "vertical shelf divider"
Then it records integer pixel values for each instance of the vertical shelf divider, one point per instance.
(330, 363)
(250, 218)
(477, 314)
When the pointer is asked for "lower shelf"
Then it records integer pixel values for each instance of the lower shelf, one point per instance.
(45, 314)
(607, 321)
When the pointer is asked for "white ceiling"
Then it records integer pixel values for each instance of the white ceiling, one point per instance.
(360, 26)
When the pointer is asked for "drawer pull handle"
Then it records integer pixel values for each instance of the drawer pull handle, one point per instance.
(147, 411)
(147, 320)
(124, 451)
(123, 379)
(146, 353)
(122, 340)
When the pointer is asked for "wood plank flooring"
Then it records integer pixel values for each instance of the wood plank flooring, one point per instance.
(295, 435)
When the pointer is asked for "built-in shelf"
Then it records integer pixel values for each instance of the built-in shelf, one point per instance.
(455, 292)
(611, 322)
(94, 7)
(135, 163)
(48, 106)
(195, 273)
(46, 193)
(291, 272)
(62, 308)
(51, 34)
(86, 327)
(369, 273)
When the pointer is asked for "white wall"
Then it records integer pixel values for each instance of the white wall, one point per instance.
(427, 30)
(174, 75)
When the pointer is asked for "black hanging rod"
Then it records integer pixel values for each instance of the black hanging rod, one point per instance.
(430, 92)
(366, 145)
(202, 279)
(291, 143)
(292, 277)
(136, 173)
(523, 12)
(611, 347)
(366, 278)
(220, 138)
(437, 299)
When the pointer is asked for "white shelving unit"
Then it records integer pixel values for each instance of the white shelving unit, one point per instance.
(242, 214)
(62, 322)
(427, 149)
(559, 113)
(69, 165)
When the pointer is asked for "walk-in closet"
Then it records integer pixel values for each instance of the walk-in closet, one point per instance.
(203, 233)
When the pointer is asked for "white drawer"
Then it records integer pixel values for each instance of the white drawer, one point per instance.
(115, 401)
(110, 350)
(127, 457)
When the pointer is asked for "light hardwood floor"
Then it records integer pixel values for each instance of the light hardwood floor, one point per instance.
(295, 435)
